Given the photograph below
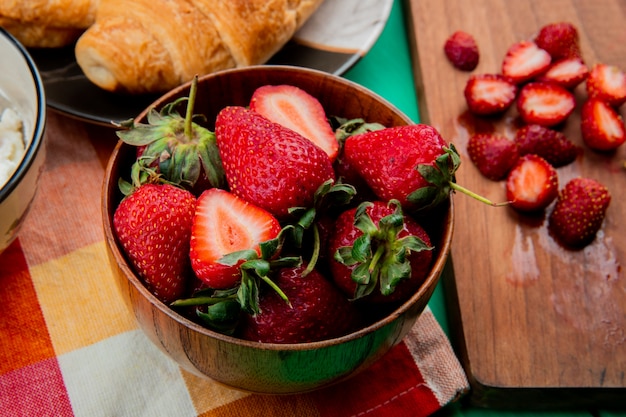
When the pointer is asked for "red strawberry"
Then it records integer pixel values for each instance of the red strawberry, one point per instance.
(579, 211)
(411, 164)
(524, 61)
(494, 155)
(153, 225)
(317, 310)
(559, 39)
(532, 184)
(223, 224)
(550, 144)
(268, 164)
(545, 104)
(387, 159)
(378, 254)
(602, 127)
(608, 83)
(184, 152)
(462, 51)
(296, 109)
(567, 72)
(488, 94)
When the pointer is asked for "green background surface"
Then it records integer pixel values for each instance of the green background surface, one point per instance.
(387, 70)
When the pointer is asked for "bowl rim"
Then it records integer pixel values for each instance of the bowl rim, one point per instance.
(40, 121)
(121, 260)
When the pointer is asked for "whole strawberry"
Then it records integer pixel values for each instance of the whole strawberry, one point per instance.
(153, 225)
(268, 164)
(378, 254)
(411, 164)
(316, 310)
(579, 211)
(462, 51)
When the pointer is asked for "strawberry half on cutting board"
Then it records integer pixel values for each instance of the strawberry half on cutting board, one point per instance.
(462, 51)
(532, 184)
(524, 61)
(489, 94)
(545, 104)
(601, 125)
(579, 211)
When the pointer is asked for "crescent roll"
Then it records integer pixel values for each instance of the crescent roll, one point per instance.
(148, 46)
(47, 23)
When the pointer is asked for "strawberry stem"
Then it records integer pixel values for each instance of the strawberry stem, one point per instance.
(316, 251)
(276, 288)
(478, 197)
(190, 103)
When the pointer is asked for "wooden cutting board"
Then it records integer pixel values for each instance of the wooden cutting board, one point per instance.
(536, 325)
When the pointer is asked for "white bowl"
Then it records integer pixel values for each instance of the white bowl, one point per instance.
(21, 89)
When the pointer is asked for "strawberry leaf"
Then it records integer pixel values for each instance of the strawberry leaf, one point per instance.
(379, 256)
(222, 317)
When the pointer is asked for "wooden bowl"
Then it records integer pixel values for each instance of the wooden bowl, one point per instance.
(252, 366)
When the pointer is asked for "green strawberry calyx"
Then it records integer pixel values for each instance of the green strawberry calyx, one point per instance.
(441, 177)
(180, 145)
(351, 127)
(380, 257)
(328, 196)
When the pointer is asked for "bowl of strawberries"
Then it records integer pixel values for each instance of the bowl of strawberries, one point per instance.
(277, 229)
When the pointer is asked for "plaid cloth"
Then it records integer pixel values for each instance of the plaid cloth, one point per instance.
(70, 347)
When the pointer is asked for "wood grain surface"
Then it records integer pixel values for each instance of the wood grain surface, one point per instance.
(536, 325)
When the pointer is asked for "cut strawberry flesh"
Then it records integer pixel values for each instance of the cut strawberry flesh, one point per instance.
(489, 93)
(607, 82)
(224, 224)
(297, 110)
(545, 104)
(532, 184)
(525, 60)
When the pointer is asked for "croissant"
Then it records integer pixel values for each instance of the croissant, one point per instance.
(148, 46)
(47, 23)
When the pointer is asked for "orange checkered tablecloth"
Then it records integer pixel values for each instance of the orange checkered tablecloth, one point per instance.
(70, 347)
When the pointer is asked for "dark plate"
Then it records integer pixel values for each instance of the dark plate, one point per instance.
(334, 39)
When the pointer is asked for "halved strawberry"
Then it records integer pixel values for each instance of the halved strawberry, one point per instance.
(567, 72)
(579, 211)
(532, 184)
(223, 224)
(494, 155)
(559, 39)
(488, 94)
(296, 109)
(550, 144)
(545, 104)
(524, 61)
(462, 51)
(608, 83)
(602, 127)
